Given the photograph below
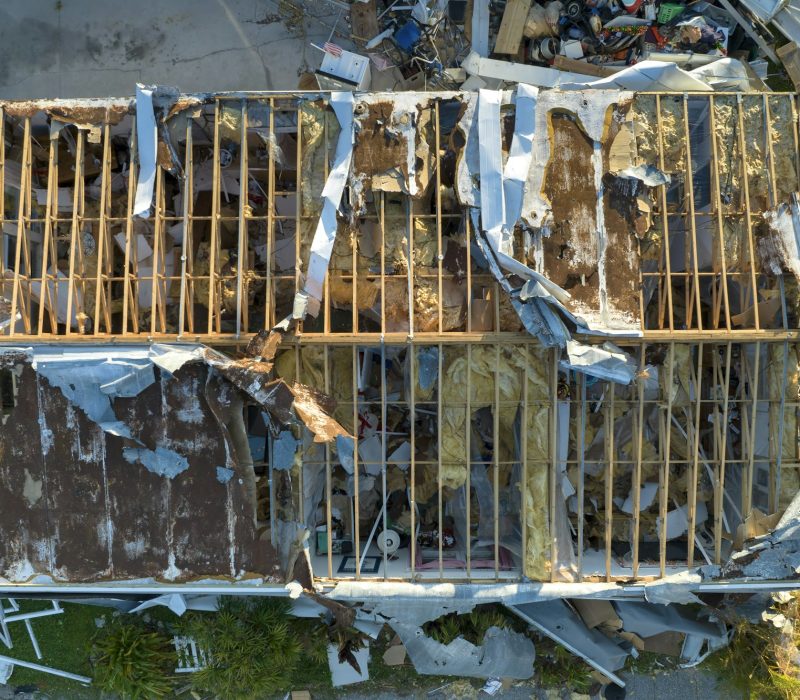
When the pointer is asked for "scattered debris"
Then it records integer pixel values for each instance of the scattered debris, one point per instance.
(503, 652)
(428, 44)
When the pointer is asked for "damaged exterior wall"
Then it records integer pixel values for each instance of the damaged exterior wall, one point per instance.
(498, 458)
(76, 509)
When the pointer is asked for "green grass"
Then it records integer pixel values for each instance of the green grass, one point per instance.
(759, 662)
(648, 663)
(558, 668)
(64, 640)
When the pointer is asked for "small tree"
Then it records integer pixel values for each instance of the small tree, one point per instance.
(253, 652)
(132, 661)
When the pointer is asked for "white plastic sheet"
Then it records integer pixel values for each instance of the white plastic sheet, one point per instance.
(647, 76)
(520, 155)
(146, 144)
(604, 362)
(491, 167)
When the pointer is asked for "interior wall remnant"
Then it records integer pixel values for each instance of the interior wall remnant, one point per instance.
(8, 392)
(228, 406)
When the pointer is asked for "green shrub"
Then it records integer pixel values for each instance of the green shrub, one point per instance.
(558, 668)
(314, 638)
(253, 649)
(473, 626)
(760, 662)
(132, 661)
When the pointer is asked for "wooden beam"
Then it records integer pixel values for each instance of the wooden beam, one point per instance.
(513, 24)
(572, 65)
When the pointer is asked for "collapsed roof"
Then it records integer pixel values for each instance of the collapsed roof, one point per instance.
(447, 271)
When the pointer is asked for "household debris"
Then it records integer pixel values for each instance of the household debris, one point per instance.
(452, 44)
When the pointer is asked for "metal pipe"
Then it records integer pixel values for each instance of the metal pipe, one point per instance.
(46, 669)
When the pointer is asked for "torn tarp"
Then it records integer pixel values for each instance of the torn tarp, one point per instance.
(491, 168)
(536, 309)
(605, 361)
(520, 155)
(647, 76)
(325, 234)
(545, 316)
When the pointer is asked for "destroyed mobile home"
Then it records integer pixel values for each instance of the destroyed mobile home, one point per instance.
(531, 345)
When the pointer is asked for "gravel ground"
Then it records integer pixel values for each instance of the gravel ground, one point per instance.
(683, 684)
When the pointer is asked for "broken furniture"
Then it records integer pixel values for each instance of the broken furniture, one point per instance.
(13, 614)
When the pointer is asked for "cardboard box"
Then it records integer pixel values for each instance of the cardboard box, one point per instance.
(597, 613)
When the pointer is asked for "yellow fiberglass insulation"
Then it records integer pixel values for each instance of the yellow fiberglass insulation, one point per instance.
(645, 123)
(755, 153)
(790, 476)
(426, 302)
(486, 365)
(783, 149)
(729, 158)
(319, 133)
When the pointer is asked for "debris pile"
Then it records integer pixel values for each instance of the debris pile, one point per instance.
(636, 44)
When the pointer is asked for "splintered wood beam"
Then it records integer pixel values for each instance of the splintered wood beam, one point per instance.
(695, 443)
(637, 471)
(666, 462)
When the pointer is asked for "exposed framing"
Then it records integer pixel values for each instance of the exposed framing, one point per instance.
(111, 295)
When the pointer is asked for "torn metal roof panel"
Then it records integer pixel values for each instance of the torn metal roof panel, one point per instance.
(118, 479)
(76, 509)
